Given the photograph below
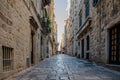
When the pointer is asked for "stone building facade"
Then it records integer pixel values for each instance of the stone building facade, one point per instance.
(55, 46)
(68, 42)
(72, 23)
(83, 31)
(62, 46)
(69, 24)
(98, 30)
(105, 31)
(66, 35)
(24, 28)
(51, 40)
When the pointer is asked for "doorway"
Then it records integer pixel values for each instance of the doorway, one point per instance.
(114, 56)
(82, 48)
(32, 48)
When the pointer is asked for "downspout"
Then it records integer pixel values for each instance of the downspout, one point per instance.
(100, 29)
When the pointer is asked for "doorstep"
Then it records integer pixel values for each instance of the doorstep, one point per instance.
(113, 67)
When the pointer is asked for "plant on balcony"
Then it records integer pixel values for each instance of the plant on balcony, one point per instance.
(49, 28)
(48, 21)
(49, 24)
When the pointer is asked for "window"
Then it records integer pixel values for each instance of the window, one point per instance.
(80, 19)
(95, 2)
(87, 8)
(7, 58)
(88, 43)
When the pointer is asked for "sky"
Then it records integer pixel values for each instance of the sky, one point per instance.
(61, 15)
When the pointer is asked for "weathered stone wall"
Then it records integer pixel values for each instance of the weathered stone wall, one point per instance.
(15, 31)
(104, 15)
(84, 30)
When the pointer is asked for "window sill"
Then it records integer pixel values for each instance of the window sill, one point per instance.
(84, 25)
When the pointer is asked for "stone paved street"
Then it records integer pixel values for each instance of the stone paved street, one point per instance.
(63, 67)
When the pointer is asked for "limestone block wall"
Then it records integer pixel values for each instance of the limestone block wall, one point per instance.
(104, 15)
(15, 31)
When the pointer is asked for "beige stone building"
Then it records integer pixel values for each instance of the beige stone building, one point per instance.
(69, 39)
(66, 35)
(71, 25)
(24, 30)
(97, 30)
(55, 45)
(83, 33)
(52, 37)
(105, 31)
(68, 32)
(62, 46)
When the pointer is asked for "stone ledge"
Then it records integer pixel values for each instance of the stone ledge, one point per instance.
(113, 67)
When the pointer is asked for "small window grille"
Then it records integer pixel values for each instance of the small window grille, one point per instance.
(7, 58)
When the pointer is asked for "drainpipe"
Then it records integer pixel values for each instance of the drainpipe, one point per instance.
(100, 27)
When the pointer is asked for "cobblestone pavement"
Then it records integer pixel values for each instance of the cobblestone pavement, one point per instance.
(63, 67)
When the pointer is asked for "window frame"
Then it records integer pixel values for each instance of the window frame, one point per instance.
(80, 19)
(7, 56)
(95, 2)
(87, 8)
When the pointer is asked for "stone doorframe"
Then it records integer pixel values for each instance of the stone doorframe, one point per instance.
(107, 37)
(34, 26)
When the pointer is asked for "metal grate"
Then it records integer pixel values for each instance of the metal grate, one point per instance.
(7, 58)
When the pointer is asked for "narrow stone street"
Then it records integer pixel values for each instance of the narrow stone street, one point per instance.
(64, 67)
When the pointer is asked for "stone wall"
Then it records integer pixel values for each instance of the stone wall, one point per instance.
(105, 14)
(15, 30)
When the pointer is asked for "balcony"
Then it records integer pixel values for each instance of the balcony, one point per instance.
(46, 2)
(85, 25)
(45, 23)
